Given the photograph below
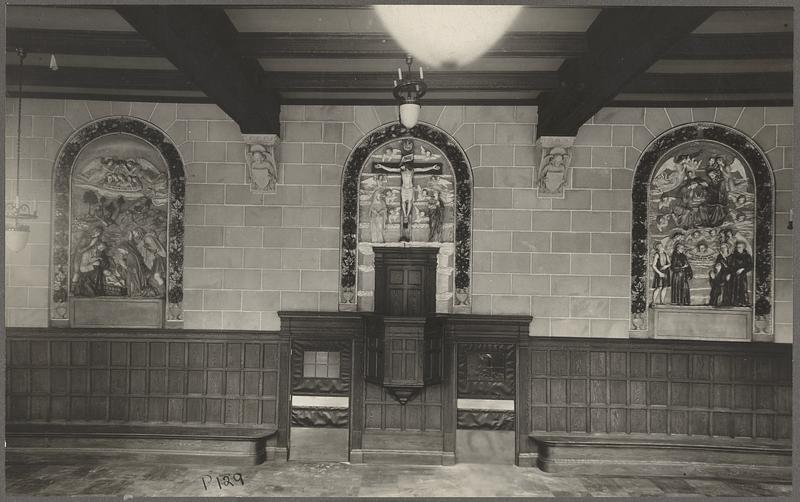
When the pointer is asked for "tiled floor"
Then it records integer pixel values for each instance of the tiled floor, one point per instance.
(371, 480)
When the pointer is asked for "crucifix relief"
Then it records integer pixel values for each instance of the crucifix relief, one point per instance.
(406, 162)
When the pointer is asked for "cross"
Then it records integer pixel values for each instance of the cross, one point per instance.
(407, 167)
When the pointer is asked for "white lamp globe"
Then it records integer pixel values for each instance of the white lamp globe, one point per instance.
(17, 237)
(447, 36)
(409, 114)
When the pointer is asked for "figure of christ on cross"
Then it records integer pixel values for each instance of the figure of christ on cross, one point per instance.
(407, 169)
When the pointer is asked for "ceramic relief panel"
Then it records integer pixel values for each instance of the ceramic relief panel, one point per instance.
(118, 216)
(407, 188)
(701, 218)
(702, 224)
(407, 194)
(119, 223)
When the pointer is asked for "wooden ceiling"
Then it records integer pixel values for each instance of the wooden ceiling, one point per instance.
(343, 56)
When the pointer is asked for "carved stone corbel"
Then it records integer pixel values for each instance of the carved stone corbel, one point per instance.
(263, 168)
(554, 154)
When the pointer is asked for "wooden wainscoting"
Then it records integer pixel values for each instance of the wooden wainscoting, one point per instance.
(640, 392)
(148, 378)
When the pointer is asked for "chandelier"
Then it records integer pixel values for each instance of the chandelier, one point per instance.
(17, 233)
(447, 36)
(407, 91)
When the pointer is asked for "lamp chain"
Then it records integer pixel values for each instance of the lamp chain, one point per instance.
(21, 54)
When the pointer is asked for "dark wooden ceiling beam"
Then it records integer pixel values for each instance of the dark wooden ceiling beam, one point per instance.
(733, 46)
(712, 83)
(377, 45)
(328, 45)
(622, 44)
(201, 42)
(322, 99)
(280, 81)
(333, 82)
(105, 95)
(721, 101)
(438, 81)
(84, 43)
(102, 78)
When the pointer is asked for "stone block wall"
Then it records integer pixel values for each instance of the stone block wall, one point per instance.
(564, 261)
(567, 261)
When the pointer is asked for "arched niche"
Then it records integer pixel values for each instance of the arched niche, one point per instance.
(708, 188)
(117, 219)
(360, 179)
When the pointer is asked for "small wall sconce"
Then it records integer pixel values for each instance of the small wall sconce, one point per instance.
(790, 226)
(53, 62)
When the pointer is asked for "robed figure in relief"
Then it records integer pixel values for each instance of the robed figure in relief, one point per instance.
(681, 273)
(741, 262)
(436, 212)
(377, 216)
(718, 277)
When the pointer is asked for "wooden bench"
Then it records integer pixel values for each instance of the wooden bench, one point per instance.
(140, 443)
(663, 455)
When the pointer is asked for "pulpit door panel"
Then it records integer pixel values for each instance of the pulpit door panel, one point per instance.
(405, 282)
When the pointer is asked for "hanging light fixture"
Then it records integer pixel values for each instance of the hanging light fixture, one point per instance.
(407, 91)
(447, 36)
(17, 233)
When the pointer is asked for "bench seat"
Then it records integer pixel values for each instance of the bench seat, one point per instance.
(140, 443)
(657, 454)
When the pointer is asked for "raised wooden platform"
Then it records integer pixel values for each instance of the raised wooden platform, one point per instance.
(663, 455)
(141, 443)
(400, 447)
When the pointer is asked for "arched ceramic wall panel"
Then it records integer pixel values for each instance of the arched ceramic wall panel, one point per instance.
(349, 288)
(702, 141)
(165, 153)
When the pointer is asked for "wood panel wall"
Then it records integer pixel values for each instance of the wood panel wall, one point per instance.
(150, 376)
(422, 413)
(635, 386)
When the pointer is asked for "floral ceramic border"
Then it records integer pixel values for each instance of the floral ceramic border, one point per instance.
(61, 208)
(764, 186)
(463, 203)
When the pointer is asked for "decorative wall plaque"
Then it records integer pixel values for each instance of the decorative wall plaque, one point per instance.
(555, 156)
(486, 370)
(261, 155)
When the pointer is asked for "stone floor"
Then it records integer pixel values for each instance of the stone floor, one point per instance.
(342, 479)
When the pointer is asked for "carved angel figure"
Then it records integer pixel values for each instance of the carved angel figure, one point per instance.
(553, 175)
(262, 168)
